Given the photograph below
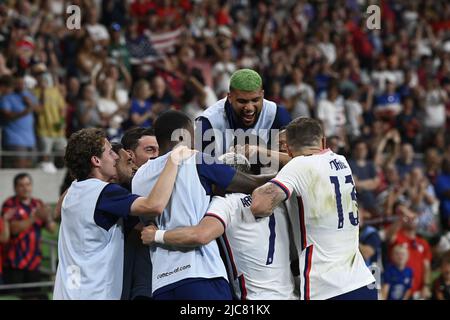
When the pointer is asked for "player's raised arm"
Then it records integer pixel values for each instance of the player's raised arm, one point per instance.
(246, 183)
(207, 230)
(156, 201)
(266, 199)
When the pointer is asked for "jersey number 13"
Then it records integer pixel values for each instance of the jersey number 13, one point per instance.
(335, 181)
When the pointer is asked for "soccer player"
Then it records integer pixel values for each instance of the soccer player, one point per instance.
(141, 143)
(258, 248)
(90, 245)
(244, 108)
(137, 268)
(331, 265)
(198, 273)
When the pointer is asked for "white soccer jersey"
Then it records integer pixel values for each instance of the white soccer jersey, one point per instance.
(187, 206)
(90, 257)
(258, 248)
(325, 224)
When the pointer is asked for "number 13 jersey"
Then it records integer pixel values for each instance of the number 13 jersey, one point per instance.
(324, 216)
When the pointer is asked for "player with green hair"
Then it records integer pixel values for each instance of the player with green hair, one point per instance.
(244, 108)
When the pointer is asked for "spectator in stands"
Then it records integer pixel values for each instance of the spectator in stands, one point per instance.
(332, 112)
(365, 176)
(23, 251)
(369, 242)
(17, 107)
(398, 277)
(114, 70)
(197, 94)
(141, 113)
(407, 161)
(117, 47)
(141, 144)
(441, 286)
(388, 104)
(354, 112)
(111, 112)
(387, 149)
(4, 236)
(404, 232)
(443, 192)
(88, 112)
(434, 102)
(51, 117)
(433, 164)
(71, 94)
(161, 99)
(88, 59)
(97, 32)
(298, 96)
(395, 189)
(408, 123)
(424, 202)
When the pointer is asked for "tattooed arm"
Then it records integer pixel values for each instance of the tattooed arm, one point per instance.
(266, 198)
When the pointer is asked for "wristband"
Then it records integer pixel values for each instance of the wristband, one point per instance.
(159, 236)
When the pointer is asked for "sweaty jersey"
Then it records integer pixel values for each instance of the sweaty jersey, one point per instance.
(325, 224)
(258, 248)
(186, 207)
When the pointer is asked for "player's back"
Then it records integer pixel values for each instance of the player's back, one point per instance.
(84, 245)
(186, 207)
(330, 261)
(259, 248)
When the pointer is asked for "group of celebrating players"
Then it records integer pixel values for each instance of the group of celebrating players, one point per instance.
(208, 224)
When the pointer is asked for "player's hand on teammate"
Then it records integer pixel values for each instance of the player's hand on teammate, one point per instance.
(181, 153)
(148, 234)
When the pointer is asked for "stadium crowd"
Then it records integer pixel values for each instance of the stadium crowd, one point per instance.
(383, 97)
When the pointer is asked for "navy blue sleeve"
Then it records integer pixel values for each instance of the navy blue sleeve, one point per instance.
(115, 200)
(204, 125)
(211, 171)
(282, 118)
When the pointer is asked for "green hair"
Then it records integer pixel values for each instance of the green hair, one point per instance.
(245, 80)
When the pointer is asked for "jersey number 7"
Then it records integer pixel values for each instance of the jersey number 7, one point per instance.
(348, 179)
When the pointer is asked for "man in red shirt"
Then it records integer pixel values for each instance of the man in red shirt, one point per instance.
(404, 232)
(4, 237)
(22, 253)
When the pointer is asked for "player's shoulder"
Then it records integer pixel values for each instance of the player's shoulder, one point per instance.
(299, 165)
(239, 199)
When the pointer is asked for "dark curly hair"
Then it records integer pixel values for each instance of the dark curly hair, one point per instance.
(83, 145)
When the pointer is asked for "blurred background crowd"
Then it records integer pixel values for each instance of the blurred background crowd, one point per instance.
(383, 95)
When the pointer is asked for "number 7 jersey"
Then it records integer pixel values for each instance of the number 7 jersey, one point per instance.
(324, 216)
